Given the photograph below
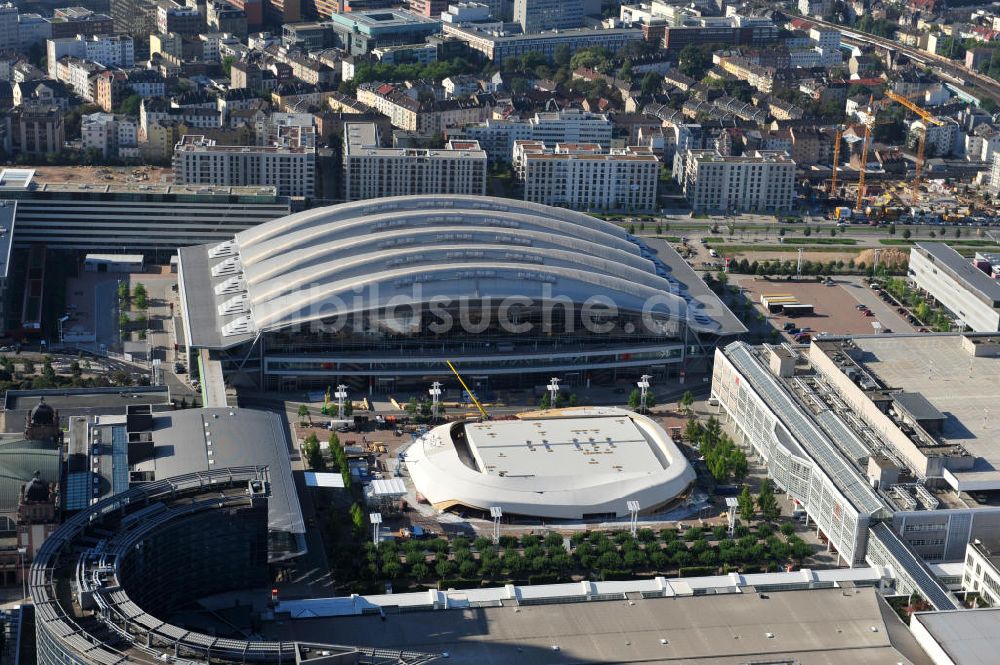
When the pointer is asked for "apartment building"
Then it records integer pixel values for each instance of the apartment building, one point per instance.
(289, 164)
(583, 176)
(80, 75)
(111, 136)
(424, 118)
(371, 171)
(761, 182)
(37, 130)
(497, 137)
(107, 50)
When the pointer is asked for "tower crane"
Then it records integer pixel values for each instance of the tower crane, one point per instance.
(928, 119)
(869, 124)
(836, 160)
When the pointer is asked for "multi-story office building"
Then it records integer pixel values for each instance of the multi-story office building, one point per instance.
(8, 27)
(73, 21)
(429, 8)
(359, 33)
(971, 295)
(981, 572)
(32, 29)
(581, 176)
(177, 18)
(422, 54)
(854, 432)
(136, 18)
(500, 45)
(371, 171)
(110, 135)
(539, 15)
(106, 50)
(497, 137)
(289, 165)
(223, 17)
(764, 181)
(102, 218)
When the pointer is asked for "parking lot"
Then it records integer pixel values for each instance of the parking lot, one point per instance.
(836, 306)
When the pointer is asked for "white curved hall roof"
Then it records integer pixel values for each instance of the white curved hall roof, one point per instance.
(288, 271)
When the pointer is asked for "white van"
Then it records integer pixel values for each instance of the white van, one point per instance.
(714, 254)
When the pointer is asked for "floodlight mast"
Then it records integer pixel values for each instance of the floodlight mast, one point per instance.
(341, 396)
(553, 391)
(496, 512)
(643, 385)
(435, 393)
(633, 523)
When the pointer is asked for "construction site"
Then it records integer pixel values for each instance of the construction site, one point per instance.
(878, 185)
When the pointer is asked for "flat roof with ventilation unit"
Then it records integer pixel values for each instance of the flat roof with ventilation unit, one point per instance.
(562, 464)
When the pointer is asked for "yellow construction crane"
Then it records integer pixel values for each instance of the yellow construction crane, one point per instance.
(928, 119)
(836, 160)
(869, 123)
(471, 394)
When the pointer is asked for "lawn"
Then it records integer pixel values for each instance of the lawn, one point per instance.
(732, 249)
(955, 243)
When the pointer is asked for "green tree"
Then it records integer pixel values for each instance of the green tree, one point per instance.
(545, 402)
(304, 413)
(313, 454)
(28, 366)
(767, 504)
(694, 62)
(129, 105)
(746, 504)
(227, 64)
(687, 399)
(139, 296)
(693, 432)
(561, 55)
(907, 234)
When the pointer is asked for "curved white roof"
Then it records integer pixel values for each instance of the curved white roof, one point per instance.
(560, 464)
(366, 255)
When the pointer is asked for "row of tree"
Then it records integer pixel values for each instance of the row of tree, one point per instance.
(317, 462)
(724, 460)
(765, 503)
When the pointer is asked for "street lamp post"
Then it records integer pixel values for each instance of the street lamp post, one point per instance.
(22, 553)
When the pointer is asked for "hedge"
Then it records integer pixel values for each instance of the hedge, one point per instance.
(697, 571)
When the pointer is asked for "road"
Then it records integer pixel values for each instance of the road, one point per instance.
(884, 313)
